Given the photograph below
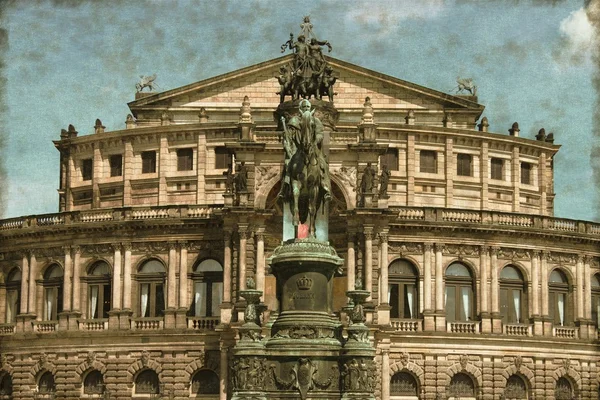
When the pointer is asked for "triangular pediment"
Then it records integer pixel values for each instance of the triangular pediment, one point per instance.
(259, 82)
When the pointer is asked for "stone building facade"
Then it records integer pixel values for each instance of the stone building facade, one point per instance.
(132, 289)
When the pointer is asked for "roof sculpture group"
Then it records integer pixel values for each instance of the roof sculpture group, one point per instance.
(309, 73)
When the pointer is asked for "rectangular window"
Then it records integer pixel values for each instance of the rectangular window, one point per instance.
(13, 303)
(185, 160)
(222, 158)
(116, 165)
(595, 310)
(464, 165)
(450, 303)
(152, 300)
(525, 173)
(87, 168)
(428, 161)
(497, 169)
(390, 158)
(98, 301)
(53, 303)
(148, 162)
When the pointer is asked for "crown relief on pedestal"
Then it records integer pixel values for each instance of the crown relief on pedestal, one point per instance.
(304, 283)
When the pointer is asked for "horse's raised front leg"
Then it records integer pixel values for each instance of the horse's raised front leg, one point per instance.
(296, 211)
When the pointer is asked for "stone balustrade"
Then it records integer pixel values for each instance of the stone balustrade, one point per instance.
(45, 326)
(517, 330)
(565, 332)
(406, 325)
(463, 327)
(92, 325)
(203, 323)
(147, 324)
(7, 329)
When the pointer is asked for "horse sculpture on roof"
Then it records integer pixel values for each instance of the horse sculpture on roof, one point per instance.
(146, 82)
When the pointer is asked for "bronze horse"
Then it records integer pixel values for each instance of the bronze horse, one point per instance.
(303, 169)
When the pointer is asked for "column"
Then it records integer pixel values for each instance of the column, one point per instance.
(516, 179)
(171, 276)
(383, 240)
(127, 276)
(368, 258)
(24, 283)
(116, 300)
(351, 263)
(76, 279)
(588, 289)
(542, 182)
(223, 371)
(535, 283)
(67, 284)
(450, 172)
(440, 315)
(183, 272)
(410, 169)
(227, 267)
(243, 232)
(439, 279)
(495, 292)
(427, 277)
(31, 307)
(544, 282)
(484, 175)
(260, 260)
(385, 374)
(163, 168)
(579, 313)
(486, 324)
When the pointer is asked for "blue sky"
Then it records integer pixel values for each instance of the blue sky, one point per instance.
(70, 62)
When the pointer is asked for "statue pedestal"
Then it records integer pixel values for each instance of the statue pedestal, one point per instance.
(228, 199)
(243, 199)
(369, 200)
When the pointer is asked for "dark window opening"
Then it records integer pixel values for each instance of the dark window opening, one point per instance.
(148, 162)
(185, 159)
(222, 158)
(87, 169)
(428, 161)
(390, 159)
(525, 173)
(205, 382)
(464, 165)
(116, 165)
(497, 169)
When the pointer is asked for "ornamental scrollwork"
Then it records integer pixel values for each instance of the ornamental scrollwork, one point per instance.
(263, 174)
(461, 250)
(405, 248)
(562, 258)
(514, 254)
(347, 175)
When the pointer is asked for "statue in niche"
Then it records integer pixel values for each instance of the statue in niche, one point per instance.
(241, 178)
(366, 182)
(229, 179)
(309, 74)
(384, 180)
(306, 185)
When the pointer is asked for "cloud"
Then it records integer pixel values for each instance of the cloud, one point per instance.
(578, 40)
(383, 18)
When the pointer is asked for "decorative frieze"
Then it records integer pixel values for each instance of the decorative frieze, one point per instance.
(403, 249)
(460, 250)
(514, 254)
(263, 174)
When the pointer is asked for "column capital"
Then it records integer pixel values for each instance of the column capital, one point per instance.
(535, 253)
(545, 255)
(172, 245)
(484, 248)
(116, 246)
(439, 246)
(383, 237)
(351, 237)
(183, 244)
(227, 236)
(494, 250)
(581, 258)
(76, 249)
(427, 247)
(67, 249)
(127, 246)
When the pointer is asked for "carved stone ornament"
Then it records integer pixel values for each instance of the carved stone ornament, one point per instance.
(358, 375)
(151, 247)
(97, 249)
(347, 175)
(566, 363)
(304, 283)
(518, 361)
(464, 360)
(249, 373)
(404, 358)
(43, 359)
(3, 360)
(461, 250)
(403, 249)
(262, 175)
(562, 258)
(145, 357)
(90, 358)
(514, 254)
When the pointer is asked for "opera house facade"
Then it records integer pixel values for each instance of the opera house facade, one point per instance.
(132, 289)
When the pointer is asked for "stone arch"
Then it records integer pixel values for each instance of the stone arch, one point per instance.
(519, 266)
(470, 266)
(350, 205)
(86, 366)
(149, 257)
(573, 376)
(196, 366)
(138, 366)
(41, 367)
(522, 371)
(410, 259)
(469, 369)
(262, 193)
(568, 274)
(89, 264)
(7, 271)
(47, 264)
(410, 367)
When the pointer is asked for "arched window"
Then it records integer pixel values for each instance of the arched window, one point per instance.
(151, 278)
(147, 382)
(208, 289)
(46, 383)
(53, 292)
(6, 388)
(513, 296)
(13, 295)
(595, 283)
(99, 290)
(205, 381)
(515, 389)
(563, 389)
(403, 384)
(559, 298)
(459, 293)
(93, 383)
(402, 290)
(461, 386)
